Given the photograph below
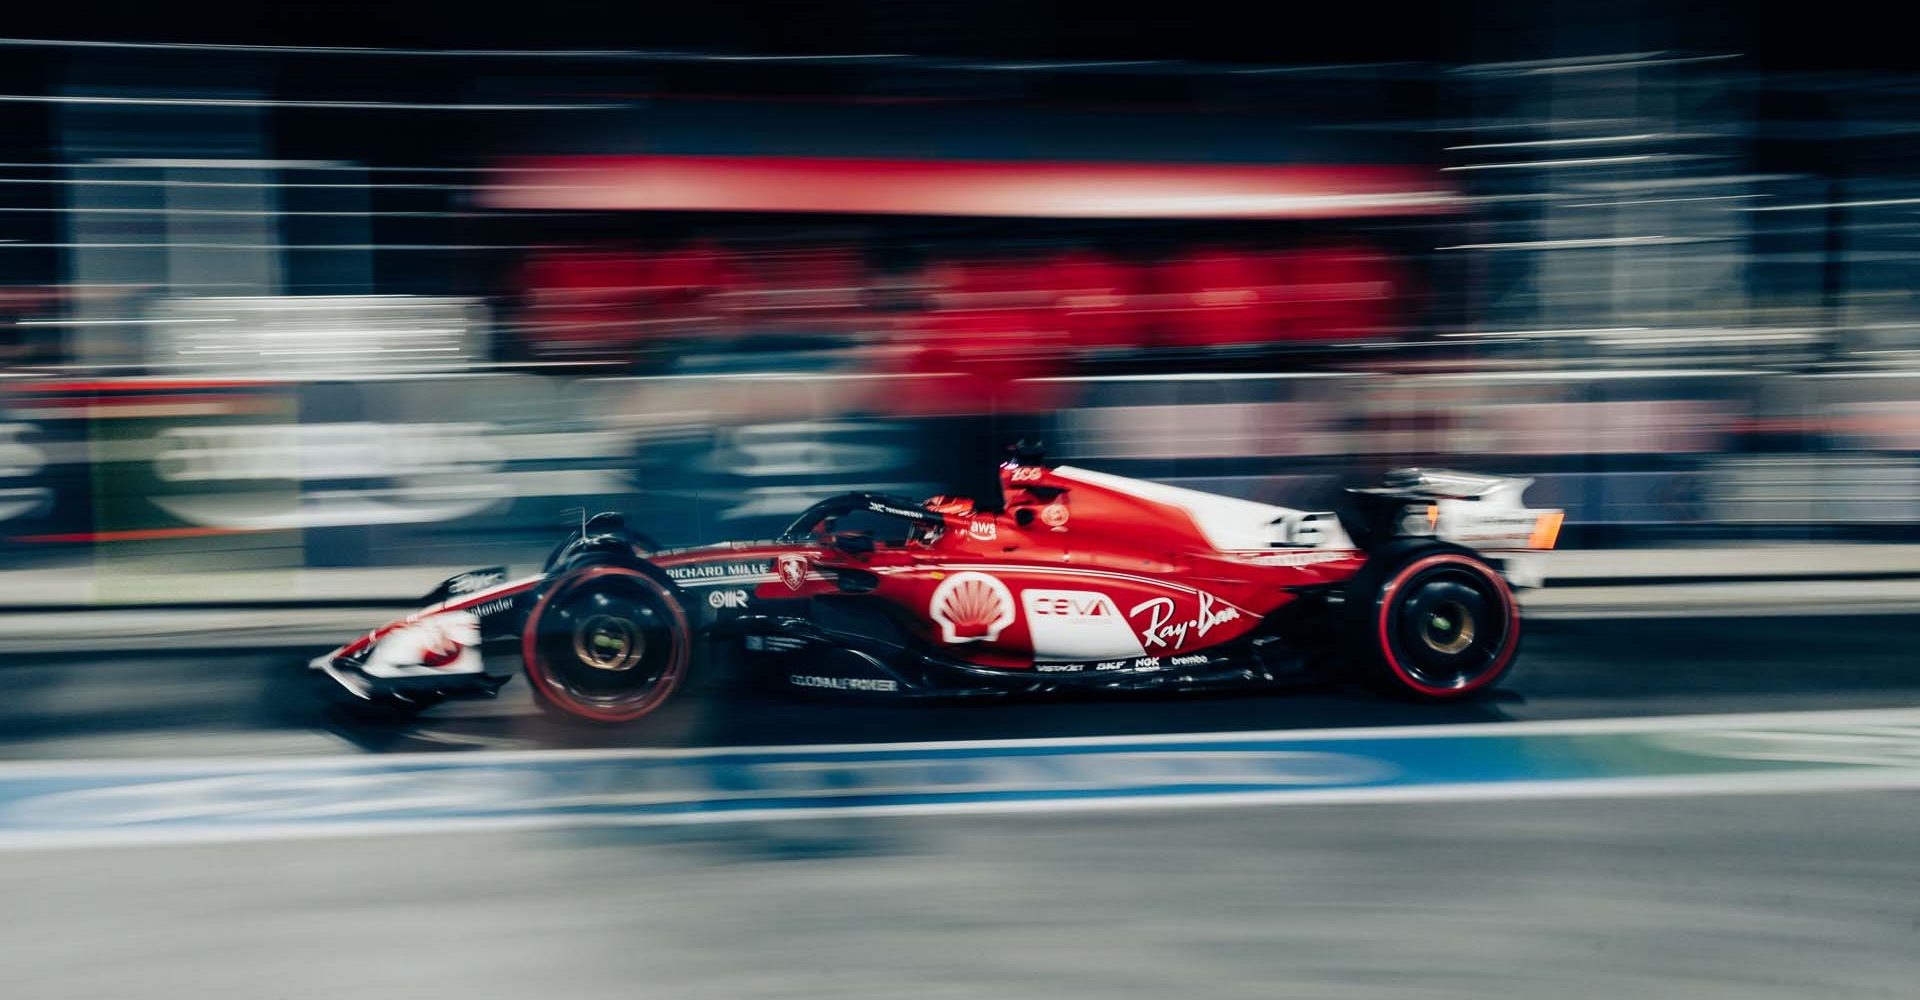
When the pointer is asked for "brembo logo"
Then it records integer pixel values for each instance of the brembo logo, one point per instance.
(971, 607)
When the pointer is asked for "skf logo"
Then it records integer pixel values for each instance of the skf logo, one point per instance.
(727, 599)
(792, 570)
(982, 528)
(971, 607)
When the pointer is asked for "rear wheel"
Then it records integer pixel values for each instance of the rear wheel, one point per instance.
(607, 644)
(1432, 622)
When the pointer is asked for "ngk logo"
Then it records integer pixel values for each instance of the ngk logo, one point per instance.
(1070, 604)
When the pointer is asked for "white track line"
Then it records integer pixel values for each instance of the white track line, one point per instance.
(1831, 780)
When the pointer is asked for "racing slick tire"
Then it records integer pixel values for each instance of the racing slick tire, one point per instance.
(1431, 622)
(607, 643)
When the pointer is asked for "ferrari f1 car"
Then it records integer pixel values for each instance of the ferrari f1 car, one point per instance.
(1070, 580)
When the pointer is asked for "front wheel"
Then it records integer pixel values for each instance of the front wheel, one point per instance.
(1432, 622)
(607, 643)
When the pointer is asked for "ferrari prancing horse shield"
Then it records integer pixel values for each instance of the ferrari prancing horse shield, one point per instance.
(793, 571)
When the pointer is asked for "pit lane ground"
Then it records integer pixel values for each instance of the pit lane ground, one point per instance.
(1778, 895)
(1789, 889)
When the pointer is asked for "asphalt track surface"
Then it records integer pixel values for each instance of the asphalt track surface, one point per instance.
(1778, 894)
(1810, 895)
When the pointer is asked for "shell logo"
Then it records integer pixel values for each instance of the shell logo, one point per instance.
(971, 607)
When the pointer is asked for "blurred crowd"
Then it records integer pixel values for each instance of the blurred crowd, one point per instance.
(1020, 312)
(1025, 311)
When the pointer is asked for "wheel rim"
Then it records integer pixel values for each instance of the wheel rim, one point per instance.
(1448, 626)
(609, 644)
(606, 642)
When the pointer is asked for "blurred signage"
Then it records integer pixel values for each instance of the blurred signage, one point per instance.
(347, 474)
(317, 335)
(476, 460)
(20, 463)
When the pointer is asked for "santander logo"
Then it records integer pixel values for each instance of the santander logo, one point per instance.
(971, 607)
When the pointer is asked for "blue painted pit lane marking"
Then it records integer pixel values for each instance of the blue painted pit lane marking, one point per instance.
(77, 804)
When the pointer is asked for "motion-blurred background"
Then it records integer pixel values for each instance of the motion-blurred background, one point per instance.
(306, 305)
(334, 286)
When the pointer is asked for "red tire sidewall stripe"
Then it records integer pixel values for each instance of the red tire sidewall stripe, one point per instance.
(1510, 642)
(669, 678)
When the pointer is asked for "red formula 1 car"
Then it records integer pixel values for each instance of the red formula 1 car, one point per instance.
(1073, 579)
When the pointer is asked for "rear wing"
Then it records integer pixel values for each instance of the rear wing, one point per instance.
(1482, 512)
